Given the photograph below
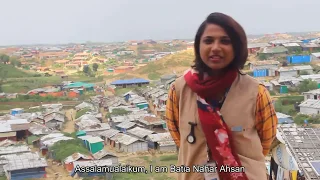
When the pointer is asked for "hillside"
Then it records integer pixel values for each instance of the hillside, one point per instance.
(175, 63)
(8, 71)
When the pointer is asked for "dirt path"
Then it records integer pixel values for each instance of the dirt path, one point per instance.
(104, 113)
(152, 109)
(69, 125)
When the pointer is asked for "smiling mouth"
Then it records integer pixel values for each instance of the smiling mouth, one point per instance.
(215, 58)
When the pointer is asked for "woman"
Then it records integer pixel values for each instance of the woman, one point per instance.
(217, 115)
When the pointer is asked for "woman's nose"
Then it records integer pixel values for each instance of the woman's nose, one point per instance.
(215, 46)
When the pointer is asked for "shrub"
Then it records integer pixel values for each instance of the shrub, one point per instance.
(63, 149)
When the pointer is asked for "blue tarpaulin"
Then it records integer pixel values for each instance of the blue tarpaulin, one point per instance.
(129, 81)
(299, 59)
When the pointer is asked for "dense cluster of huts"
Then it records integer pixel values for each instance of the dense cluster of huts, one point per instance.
(67, 89)
(141, 128)
(283, 65)
(18, 161)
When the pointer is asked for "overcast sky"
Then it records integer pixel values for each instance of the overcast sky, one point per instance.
(76, 21)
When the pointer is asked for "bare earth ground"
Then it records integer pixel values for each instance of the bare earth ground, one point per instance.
(69, 125)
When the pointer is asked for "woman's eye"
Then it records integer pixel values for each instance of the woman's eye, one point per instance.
(208, 41)
(225, 41)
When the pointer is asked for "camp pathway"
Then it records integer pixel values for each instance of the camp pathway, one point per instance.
(69, 125)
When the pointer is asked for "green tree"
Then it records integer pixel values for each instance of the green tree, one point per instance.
(262, 56)
(86, 69)
(14, 62)
(26, 67)
(307, 85)
(3, 76)
(19, 64)
(4, 58)
(95, 66)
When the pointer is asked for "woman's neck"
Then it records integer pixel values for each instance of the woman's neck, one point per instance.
(217, 73)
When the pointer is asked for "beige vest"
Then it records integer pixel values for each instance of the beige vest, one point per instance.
(238, 110)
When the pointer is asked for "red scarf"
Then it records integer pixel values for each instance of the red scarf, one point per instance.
(218, 134)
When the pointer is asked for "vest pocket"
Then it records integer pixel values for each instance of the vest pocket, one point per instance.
(254, 169)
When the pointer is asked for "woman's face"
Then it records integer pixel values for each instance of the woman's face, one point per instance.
(216, 49)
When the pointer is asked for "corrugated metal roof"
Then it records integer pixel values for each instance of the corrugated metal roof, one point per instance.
(258, 45)
(14, 149)
(86, 117)
(84, 105)
(279, 41)
(274, 82)
(315, 91)
(295, 68)
(281, 115)
(126, 124)
(166, 143)
(83, 124)
(97, 127)
(94, 140)
(102, 162)
(109, 133)
(158, 94)
(85, 137)
(76, 156)
(160, 137)
(23, 161)
(39, 129)
(129, 81)
(51, 136)
(54, 116)
(124, 139)
(291, 45)
(317, 54)
(150, 120)
(305, 67)
(153, 91)
(7, 142)
(307, 45)
(286, 79)
(277, 49)
(140, 132)
(311, 76)
(266, 62)
(6, 125)
(101, 154)
(311, 103)
(8, 117)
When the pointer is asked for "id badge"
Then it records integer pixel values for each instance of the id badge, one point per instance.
(211, 175)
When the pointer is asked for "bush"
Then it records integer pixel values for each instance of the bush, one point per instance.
(291, 99)
(299, 119)
(272, 93)
(82, 112)
(63, 149)
(292, 112)
(307, 85)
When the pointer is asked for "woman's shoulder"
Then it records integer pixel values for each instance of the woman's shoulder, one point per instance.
(179, 82)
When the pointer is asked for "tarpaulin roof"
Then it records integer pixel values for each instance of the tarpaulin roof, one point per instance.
(129, 81)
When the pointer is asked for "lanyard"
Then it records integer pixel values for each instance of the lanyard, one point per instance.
(191, 137)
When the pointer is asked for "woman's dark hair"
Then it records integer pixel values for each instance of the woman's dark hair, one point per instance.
(235, 32)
